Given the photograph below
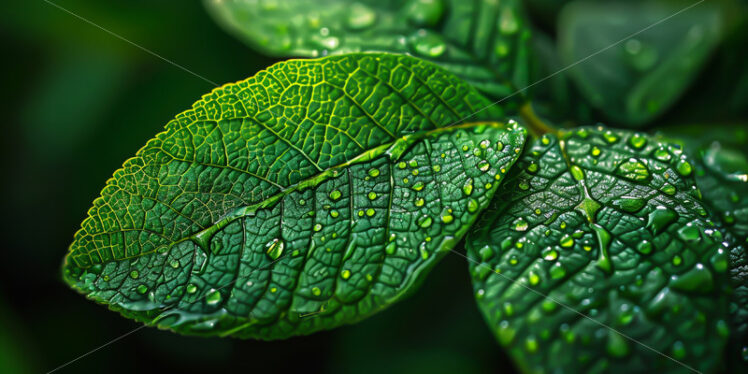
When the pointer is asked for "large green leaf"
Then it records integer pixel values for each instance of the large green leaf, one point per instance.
(634, 81)
(597, 254)
(485, 42)
(311, 195)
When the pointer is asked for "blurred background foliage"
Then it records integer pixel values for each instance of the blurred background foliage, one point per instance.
(80, 101)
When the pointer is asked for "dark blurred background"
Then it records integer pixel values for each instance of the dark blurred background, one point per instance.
(78, 102)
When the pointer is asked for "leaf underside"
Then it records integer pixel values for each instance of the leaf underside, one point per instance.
(308, 196)
(595, 229)
(486, 43)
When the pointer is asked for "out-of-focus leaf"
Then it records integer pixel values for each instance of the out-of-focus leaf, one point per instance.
(635, 81)
(486, 42)
(555, 97)
(314, 194)
(596, 254)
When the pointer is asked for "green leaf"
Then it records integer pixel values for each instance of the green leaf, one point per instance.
(635, 81)
(311, 195)
(486, 42)
(721, 173)
(596, 254)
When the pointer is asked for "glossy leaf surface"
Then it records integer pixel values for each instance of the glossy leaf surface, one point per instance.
(486, 42)
(634, 81)
(721, 172)
(596, 246)
(311, 195)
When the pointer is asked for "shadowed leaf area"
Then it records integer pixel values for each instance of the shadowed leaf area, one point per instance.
(609, 225)
(311, 195)
(486, 42)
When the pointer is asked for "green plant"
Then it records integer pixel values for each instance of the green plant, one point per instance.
(321, 191)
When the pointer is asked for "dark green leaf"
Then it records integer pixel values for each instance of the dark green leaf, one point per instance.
(635, 81)
(597, 254)
(311, 195)
(486, 42)
(721, 171)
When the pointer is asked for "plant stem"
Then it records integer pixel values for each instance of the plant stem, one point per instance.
(535, 125)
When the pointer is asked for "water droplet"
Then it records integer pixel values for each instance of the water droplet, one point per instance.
(142, 289)
(446, 216)
(698, 279)
(634, 170)
(191, 288)
(373, 172)
(594, 151)
(275, 248)
(662, 154)
(213, 297)
(668, 189)
(566, 241)
(532, 168)
(418, 186)
(689, 233)
(419, 202)
(637, 141)
(644, 247)
(610, 137)
(533, 278)
(370, 212)
(334, 213)
(390, 248)
(428, 44)
(436, 168)
(402, 165)
(684, 168)
(317, 227)
(660, 218)
(629, 204)
(483, 165)
(424, 221)
(361, 16)
(520, 224)
(549, 254)
(558, 271)
(316, 291)
(372, 195)
(472, 205)
(134, 274)
(335, 195)
(345, 274)
(523, 185)
(577, 172)
(467, 188)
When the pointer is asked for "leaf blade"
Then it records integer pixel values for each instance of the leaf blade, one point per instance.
(275, 199)
(486, 44)
(580, 225)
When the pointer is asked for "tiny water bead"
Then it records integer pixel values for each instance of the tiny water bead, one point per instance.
(520, 224)
(191, 288)
(373, 172)
(335, 195)
(428, 44)
(637, 141)
(317, 227)
(566, 241)
(274, 248)
(372, 195)
(594, 151)
(662, 154)
(134, 274)
(418, 186)
(684, 168)
(424, 221)
(316, 291)
(419, 202)
(467, 188)
(142, 289)
(213, 297)
(345, 274)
